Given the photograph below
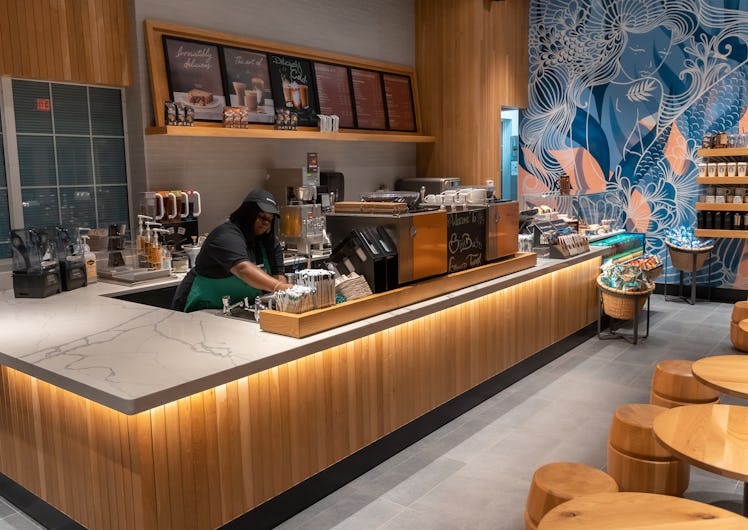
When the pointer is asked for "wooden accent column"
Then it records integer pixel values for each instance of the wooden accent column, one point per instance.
(471, 59)
(79, 41)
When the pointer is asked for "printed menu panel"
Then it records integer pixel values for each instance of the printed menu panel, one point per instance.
(193, 69)
(399, 97)
(248, 83)
(293, 87)
(334, 92)
(369, 101)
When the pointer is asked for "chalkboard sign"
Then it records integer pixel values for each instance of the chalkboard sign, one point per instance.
(248, 83)
(193, 71)
(293, 87)
(466, 239)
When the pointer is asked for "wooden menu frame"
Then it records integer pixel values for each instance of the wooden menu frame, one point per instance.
(156, 30)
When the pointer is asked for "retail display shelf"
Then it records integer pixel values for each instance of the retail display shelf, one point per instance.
(721, 180)
(722, 152)
(722, 207)
(300, 134)
(726, 234)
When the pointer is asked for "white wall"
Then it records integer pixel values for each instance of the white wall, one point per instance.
(224, 170)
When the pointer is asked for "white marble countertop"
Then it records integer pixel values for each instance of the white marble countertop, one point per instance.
(132, 357)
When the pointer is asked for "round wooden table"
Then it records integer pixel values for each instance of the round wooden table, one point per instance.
(726, 373)
(713, 437)
(635, 511)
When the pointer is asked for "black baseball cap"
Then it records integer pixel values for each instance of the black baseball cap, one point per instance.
(264, 200)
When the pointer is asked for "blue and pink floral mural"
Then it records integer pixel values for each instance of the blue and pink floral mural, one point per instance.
(621, 93)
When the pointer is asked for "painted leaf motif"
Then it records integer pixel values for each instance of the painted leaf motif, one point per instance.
(641, 91)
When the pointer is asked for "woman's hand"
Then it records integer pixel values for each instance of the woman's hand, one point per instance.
(255, 277)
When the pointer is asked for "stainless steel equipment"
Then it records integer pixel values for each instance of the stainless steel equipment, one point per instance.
(502, 229)
(433, 186)
(302, 228)
(302, 222)
(420, 239)
(423, 238)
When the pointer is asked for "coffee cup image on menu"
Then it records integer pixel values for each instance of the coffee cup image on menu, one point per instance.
(295, 95)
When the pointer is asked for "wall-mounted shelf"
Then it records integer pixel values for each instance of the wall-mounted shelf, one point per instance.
(727, 151)
(725, 234)
(311, 134)
(721, 180)
(722, 207)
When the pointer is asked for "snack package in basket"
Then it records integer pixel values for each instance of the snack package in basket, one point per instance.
(624, 277)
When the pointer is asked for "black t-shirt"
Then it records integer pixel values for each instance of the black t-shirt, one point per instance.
(225, 246)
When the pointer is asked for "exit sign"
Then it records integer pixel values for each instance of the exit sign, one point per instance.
(43, 104)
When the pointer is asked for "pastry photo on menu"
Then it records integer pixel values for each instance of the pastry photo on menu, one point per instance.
(193, 70)
(248, 83)
(294, 88)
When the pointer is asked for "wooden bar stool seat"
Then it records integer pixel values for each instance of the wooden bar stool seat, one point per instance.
(673, 385)
(739, 337)
(636, 460)
(740, 311)
(555, 483)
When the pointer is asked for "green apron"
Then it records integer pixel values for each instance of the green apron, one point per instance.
(207, 293)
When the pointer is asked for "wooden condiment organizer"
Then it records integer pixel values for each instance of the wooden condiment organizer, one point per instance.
(371, 207)
(312, 322)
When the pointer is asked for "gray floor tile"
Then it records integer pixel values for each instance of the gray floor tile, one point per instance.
(19, 521)
(6, 509)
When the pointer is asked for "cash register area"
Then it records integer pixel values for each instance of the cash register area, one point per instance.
(475, 471)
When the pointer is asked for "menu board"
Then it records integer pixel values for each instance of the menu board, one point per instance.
(193, 71)
(334, 92)
(399, 97)
(369, 101)
(293, 87)
(248, 83)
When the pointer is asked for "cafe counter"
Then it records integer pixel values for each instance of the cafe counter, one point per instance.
(124, 415)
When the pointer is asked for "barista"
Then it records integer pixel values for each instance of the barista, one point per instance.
(240, 258)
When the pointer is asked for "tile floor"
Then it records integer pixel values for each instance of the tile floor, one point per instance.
(475, 471)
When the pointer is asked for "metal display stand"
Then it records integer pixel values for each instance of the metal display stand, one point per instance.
(628, 307)
(688, 260)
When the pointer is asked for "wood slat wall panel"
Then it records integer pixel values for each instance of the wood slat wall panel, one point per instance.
(471, 59)
(79, 41)
(201, 461)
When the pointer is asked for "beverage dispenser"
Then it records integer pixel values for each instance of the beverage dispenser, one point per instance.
(176, 211)
(302, 221)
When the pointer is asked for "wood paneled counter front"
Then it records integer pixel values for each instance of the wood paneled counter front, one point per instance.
(123, 415)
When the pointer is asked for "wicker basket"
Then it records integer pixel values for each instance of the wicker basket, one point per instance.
(623, 305)
(688, 259)
(655, 273)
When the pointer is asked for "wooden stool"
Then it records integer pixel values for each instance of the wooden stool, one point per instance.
(636, 460)
(558, 482)
(740, 311)
(739, 335)
(673, 385)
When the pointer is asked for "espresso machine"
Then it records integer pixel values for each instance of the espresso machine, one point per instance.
(302, 221)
